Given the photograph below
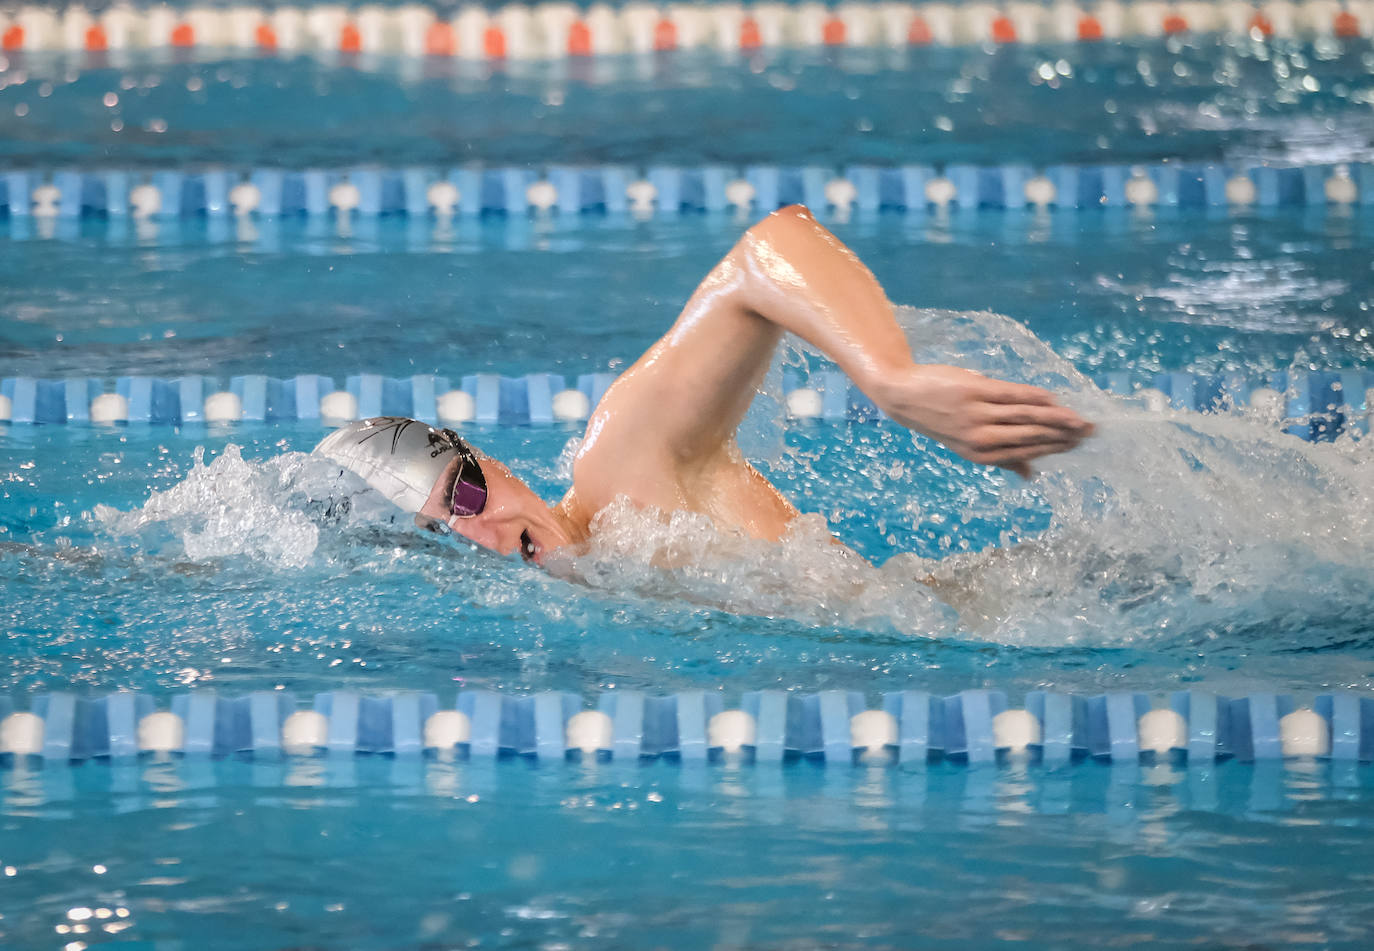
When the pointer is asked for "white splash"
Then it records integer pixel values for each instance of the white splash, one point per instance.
(1162, 521)
(807, 575)
(236, 507)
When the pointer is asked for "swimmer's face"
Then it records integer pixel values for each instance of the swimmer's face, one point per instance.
(513, 520)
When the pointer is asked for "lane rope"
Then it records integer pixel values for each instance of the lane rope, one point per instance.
(769, 726)
(1313, 405)
(474, 190)
(555, 31)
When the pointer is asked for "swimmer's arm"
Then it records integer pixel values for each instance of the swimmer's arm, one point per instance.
(803, 279)
(788, 273)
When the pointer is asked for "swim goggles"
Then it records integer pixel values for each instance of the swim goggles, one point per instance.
(467, 492)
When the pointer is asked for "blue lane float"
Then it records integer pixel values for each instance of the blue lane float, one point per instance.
(613, 189)
(1313, 405)
(832, 726)
(258, 398)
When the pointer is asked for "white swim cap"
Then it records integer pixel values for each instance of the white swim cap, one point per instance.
(400, 458)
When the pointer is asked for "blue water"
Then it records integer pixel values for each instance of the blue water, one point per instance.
(386, 606)
(1192, 99)
(1173, 290)
(218, 593)
(1172, 552)
(375, 854)
(1243, 568)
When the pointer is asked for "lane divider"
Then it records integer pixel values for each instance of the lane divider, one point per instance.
(1313, 405)
(552, 31)
(667, 190)
(768, 726)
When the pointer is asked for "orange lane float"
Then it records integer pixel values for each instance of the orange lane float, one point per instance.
(749, 37)
(665, 35)
(1346, 25)
(350, 40)
(579, 39)
(494, 43)
(439, 39)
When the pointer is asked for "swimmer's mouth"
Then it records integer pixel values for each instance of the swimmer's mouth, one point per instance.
(527, 549)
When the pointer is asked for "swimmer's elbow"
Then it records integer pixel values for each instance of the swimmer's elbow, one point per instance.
(792, 233)
(790, 218)
(781, 235)
(796, 212)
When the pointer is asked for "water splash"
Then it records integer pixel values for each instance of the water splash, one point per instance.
(1165, 522)
(270, 510)
(807, 575)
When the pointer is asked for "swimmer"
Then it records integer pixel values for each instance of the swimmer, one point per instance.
(663, 435)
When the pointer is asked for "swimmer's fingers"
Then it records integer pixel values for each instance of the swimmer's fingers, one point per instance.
(1006, 403)
(992, 422)
(1060, 418)
(1009, 438)
(1004, 391)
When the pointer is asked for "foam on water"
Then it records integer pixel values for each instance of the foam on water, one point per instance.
(806, 576)
(1166, 528)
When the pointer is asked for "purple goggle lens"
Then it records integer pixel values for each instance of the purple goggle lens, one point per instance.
(468, 493)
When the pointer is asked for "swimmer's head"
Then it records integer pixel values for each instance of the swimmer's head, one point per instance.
(447, 484)
(402, 458)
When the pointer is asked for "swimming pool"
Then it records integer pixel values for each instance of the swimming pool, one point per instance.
(1182, 556)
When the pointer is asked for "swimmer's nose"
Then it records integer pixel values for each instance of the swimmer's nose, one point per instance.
(505, 536)
(480, 530)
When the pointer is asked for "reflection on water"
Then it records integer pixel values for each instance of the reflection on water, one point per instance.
(1132, 795)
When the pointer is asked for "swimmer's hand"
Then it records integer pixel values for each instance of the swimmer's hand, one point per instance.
(987, 421)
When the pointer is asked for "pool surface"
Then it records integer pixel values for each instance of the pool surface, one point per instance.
(1181, 289)
(1194, 98)
(376, 854)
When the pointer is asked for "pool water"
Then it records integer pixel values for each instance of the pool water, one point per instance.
(1169, 550)
(377, 854)
(1114, 290)
(1191, 99)
(1175, 551)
